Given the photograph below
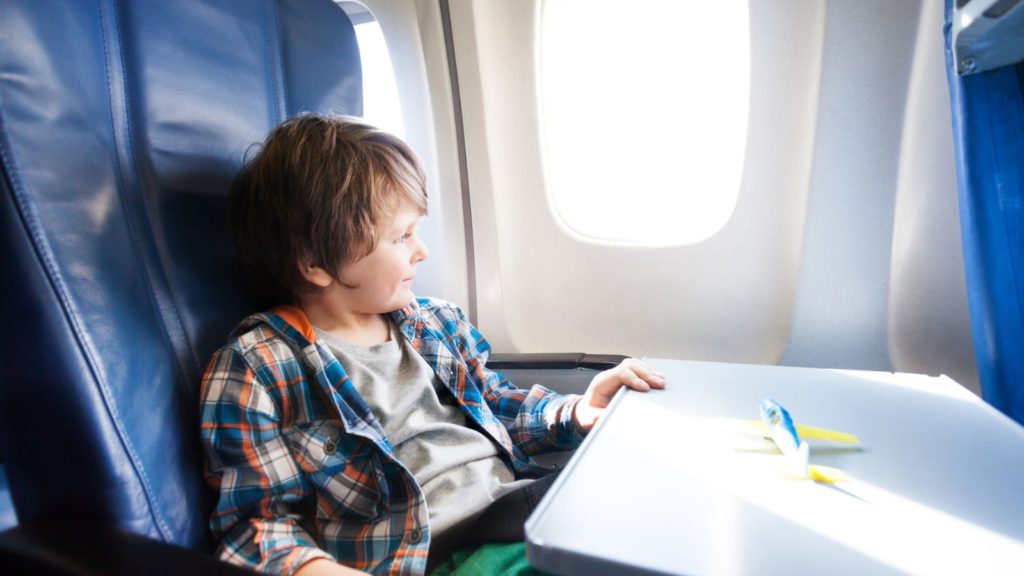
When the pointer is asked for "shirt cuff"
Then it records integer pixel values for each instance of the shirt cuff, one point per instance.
(568, 433)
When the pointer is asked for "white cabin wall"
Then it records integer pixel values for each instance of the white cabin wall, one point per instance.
(882, 280)
(841, 314)
(929, 322)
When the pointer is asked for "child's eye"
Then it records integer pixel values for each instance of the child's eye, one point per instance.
(404, 238)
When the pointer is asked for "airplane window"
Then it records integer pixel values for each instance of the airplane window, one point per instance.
(644, 116)
(381, 106)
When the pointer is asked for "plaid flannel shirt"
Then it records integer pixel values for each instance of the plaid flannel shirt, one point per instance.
(304, 470)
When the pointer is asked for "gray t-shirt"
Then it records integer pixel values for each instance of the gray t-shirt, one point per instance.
(457, 467)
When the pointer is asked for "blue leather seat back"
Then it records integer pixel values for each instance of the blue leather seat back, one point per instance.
(122, 123)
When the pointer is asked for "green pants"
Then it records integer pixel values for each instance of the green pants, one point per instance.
(488, 560)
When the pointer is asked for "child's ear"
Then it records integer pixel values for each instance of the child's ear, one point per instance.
(315, 275)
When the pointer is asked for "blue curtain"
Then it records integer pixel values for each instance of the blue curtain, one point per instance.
(988, 129)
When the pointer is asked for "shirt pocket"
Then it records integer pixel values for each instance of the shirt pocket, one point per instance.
(343, 469)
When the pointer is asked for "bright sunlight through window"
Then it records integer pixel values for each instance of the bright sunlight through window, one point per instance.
(381, 107)
(644, 110)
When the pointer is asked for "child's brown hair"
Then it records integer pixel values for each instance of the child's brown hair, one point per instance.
(313, 194)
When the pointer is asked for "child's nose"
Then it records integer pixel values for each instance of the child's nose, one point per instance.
(422, 252)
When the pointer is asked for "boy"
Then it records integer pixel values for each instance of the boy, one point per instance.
(353, 426)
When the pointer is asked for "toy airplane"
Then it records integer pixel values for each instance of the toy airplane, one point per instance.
(789, 437)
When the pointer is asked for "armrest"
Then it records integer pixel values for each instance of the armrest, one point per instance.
(555, 361)
(566, 373)
(85, 549)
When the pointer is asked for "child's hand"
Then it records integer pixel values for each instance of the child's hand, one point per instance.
(632, 373)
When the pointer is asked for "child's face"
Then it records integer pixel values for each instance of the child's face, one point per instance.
(382, 281)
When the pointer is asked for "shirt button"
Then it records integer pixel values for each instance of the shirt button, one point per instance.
(330, 447)
(415, 536)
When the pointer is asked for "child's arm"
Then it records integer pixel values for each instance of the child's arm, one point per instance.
(538, 420)
(256, 519)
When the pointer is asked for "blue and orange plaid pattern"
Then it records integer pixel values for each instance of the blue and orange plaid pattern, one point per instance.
(303, 469)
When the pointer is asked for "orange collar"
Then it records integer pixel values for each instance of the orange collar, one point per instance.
(297, 318)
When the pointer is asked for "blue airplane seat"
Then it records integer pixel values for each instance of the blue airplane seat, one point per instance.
(121, 125)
